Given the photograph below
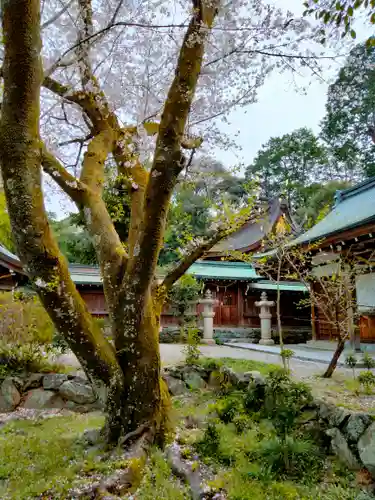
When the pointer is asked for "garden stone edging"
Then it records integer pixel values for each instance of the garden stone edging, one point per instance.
(351, 433)
(44, 391)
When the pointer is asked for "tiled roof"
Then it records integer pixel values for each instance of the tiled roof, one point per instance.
(354, 207)
(206, 269)
(8, 259)
(251, 234)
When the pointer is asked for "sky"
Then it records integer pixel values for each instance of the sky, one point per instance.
(280, 109)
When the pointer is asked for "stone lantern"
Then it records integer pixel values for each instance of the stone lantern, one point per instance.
(265, 319)
(208, 317)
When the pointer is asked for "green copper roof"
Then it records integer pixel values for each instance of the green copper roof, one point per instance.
(210, 269)
(354, 207)
(291, 286)
(85, 275)
(203, 269)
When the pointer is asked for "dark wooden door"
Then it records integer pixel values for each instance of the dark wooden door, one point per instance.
(226, 309)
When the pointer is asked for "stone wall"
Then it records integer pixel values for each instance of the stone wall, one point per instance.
(352, 435)
(52, 390)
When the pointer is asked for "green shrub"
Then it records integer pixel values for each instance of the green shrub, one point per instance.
(368, 361)
(191, 350)
(292, 457)
(242, 422)
(284, 400)
(228, 408)
(211, 364)
(23, 319)
(253, 399)
(59, 342)
(367, 380)
(182, 294)
(209, 445)
(17, 358)
(351, 361)
(286, 356)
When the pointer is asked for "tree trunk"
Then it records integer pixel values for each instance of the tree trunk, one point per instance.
(140, 404)
(332, 366)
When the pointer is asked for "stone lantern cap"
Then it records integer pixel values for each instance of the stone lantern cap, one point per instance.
(263, 302)
(208, 299)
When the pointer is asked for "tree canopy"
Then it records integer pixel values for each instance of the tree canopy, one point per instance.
(287, 165)
(349, 124)
(340, 16)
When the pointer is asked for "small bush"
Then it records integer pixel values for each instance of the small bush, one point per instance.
(298, 458)
(191, 350)
(368, 361)
(211, 364)
(351, 361)
(284, 400)
(253, 399)
(209, 445)
(228, 408)
(242, 422)
(367, 380)
(17, 358)
(59, 342)
(286, 356)
(23, 319)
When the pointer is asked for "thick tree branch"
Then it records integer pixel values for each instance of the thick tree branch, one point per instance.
(94, 159)
(72, 186)
(21, 169)
(169, 160)
(181, 268)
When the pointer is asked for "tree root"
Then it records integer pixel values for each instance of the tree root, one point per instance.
(122, 480)
(185, 470)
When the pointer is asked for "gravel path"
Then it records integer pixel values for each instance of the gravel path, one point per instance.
(173, 353)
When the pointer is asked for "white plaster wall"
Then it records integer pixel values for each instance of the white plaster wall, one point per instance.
(365, 285)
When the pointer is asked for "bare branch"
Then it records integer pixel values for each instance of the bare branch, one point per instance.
(58, 14)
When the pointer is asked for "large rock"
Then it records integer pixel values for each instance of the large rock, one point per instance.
(366, 448)
(356, 426)
(77, 392)
(335, 416)
(34, 381)
(175, 385)
(83, 408)
(175, 371)
(53, 381)
(255, 377)
(341, 448)
(39, 399)
(9, 395)
(194, 380)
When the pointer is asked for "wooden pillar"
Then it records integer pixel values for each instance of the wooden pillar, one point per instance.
(313, 320)
(355, 330)
(240, 305)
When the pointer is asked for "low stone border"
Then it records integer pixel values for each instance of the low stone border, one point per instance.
(351, 434)
(52, 390)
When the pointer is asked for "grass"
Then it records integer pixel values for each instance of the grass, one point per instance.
(240, 365)
(36, 456)
(158, 482)
(344, 391)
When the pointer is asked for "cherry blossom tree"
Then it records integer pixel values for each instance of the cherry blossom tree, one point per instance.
(140, 84)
